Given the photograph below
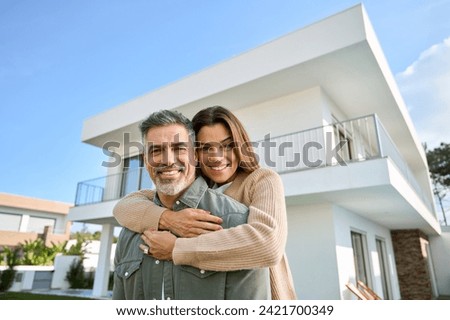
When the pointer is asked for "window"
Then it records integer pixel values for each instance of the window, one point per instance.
(382, 259)
(135, 176)
(10, 222)
(360, 257)
(343, 135)
(37, 224)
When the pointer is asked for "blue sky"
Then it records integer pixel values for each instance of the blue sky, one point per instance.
(64, 61)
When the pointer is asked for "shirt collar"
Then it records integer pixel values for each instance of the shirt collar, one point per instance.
(191, 197)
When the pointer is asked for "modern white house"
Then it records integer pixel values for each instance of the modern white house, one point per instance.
(324, 111)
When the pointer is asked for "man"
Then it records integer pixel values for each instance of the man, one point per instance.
(170, 161)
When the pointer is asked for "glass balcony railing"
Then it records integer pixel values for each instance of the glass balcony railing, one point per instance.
(334, 144)
(340, 143)
(112, 187)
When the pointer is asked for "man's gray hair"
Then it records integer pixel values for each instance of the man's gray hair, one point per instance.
(165, 118)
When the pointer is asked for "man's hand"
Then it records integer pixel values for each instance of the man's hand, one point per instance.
(188, 223)
(160, 244)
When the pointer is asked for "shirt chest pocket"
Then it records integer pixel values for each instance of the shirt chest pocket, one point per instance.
(127, 268)
(197, 284)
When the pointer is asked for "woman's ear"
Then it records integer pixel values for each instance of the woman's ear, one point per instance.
(196, 159)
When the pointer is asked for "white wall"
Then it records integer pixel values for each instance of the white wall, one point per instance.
(345, 222)
(26, 277)
(60, 220)
(62, 266)
(311, 252)
(287, 114)
(320, 251)
(440, 254)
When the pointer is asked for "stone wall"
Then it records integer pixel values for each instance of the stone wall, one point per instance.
(412, 265)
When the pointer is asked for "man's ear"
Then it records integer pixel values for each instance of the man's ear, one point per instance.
(145, 158)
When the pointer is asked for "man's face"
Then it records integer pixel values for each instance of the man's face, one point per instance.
(170, 159)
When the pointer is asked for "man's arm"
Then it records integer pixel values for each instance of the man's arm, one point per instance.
(137, 212)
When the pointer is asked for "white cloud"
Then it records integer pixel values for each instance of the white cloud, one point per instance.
(425, 86)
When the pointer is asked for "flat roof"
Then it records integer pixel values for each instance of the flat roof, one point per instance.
(29, 203)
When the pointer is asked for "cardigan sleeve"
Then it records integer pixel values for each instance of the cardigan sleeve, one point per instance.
(137, 212)
(259, 243)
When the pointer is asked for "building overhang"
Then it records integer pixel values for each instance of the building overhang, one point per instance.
(374, 189)
(98, 213)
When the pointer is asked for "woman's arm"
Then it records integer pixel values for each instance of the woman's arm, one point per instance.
(137, 212)
(259, 243)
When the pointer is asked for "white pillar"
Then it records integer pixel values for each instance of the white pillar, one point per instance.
(102, 272)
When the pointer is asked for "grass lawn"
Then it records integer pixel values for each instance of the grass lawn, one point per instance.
(32, 296)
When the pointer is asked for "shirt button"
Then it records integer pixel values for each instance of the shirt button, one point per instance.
(177, 202)
(202, 271)
(126, 274)
(157, 261)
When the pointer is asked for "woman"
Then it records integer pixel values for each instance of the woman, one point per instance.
(227, 161)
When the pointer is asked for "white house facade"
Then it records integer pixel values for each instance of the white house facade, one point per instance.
(324, 111)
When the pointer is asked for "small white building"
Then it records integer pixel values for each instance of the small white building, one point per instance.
(363, 211)
(26, 219)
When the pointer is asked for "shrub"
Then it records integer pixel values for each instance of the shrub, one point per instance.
(7, 276)
(7, 279)
(75, 276)
(36, 253)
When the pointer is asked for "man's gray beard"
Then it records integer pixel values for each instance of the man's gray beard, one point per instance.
(170, 187)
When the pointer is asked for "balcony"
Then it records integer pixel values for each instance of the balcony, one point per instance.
(112, 187)
(340, 143)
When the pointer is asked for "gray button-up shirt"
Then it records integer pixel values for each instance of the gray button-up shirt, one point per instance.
(139, 276)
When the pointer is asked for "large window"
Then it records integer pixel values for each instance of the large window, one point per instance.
(384, 270)
(360, 256)
(38, 224)
(135, 176)
(10, 222)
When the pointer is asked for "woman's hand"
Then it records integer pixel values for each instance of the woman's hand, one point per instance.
(189, 223)
(159, 244)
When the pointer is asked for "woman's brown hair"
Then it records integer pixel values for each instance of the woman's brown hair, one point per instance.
(248, 160)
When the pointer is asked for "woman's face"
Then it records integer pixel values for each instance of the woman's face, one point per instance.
(216, 153)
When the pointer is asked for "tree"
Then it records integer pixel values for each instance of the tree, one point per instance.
(439, 166)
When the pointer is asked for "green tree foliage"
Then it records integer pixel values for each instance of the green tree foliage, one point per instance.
(439, 166)
(79, 248)
(36, 253)
(86, 235)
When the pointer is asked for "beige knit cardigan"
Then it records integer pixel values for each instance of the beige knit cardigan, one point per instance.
(259, 243)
